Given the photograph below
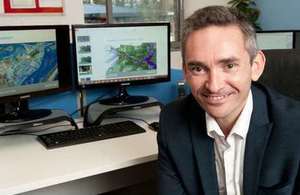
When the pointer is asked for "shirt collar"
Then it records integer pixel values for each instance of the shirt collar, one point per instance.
(240, 127)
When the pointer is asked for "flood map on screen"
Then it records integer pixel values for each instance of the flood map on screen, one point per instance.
(129, 60)
(27, 63)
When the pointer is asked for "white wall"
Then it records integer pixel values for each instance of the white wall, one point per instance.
(73, 14)
(189, 7)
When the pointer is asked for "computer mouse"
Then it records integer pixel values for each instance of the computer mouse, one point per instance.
(154, 126)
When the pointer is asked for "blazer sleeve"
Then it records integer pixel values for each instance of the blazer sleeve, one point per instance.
(169, 183)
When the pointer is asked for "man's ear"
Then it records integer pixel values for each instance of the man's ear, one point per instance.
(258, 65)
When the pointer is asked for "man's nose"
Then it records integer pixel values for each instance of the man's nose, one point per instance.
(214, 81)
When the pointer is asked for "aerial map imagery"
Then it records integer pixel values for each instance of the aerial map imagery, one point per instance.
(130, 60)
(27, 63)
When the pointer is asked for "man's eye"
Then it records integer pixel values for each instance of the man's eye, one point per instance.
(229, 66)
(195, 68)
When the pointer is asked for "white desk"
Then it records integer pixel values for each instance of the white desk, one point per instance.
(27, 166)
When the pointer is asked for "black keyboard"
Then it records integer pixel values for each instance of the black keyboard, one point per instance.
(89, 134)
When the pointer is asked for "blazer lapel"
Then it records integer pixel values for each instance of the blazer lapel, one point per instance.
(204, 150)
(257, 139)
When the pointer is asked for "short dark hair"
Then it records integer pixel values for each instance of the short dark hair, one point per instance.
(220, 16)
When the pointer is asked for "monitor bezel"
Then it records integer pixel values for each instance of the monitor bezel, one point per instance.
(63, 61)
(295, 36)
(120, 83)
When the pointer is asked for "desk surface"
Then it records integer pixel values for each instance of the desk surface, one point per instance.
(27, 165)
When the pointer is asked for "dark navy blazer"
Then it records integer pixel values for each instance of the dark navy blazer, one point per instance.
(272, 153)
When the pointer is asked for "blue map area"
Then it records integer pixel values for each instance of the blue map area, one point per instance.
(27, 63)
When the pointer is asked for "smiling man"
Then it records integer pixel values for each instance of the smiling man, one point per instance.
(230, 136)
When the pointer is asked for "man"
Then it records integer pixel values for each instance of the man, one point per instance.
(230, 137)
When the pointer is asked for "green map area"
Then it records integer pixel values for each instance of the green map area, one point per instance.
(127, 60)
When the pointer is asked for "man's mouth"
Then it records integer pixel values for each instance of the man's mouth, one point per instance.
(216, 98)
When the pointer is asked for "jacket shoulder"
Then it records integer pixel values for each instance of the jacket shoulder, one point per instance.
(283, 110)
(177, 108)
(283, 106)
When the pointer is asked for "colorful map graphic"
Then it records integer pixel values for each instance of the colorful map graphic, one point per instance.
(27, 63)
(128, 60)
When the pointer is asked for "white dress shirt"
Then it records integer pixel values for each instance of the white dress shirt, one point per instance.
(229, 152)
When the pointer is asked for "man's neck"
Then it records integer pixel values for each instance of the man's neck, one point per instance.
(226, 124)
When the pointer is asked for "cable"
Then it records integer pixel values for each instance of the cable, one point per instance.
(92, 102)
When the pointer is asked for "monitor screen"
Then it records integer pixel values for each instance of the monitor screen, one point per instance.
(123, 53)
(267, 40)
(33, 60)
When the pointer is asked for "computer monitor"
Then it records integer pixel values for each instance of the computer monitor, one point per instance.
(268, 40)
(34, 60)
(121, 55)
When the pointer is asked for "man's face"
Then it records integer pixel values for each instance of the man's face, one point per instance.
(218, 70)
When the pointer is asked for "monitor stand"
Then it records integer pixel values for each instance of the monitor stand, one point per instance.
(96, 112)
(16, 118)
(123, 98)
(14, 112)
